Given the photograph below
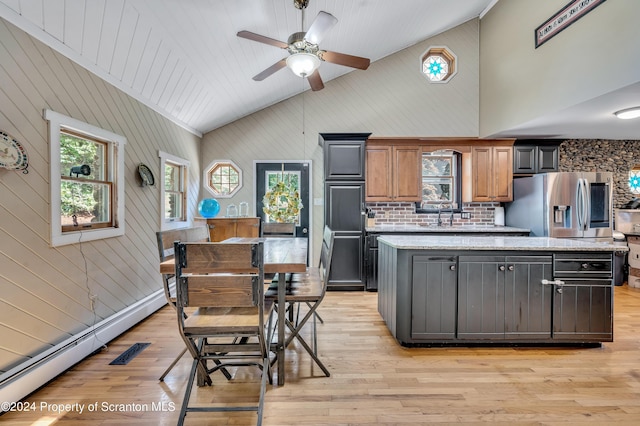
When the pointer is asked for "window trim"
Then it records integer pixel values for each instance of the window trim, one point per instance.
(458, 187)
(174, 224)
(115, 173)
(447, 56)
(207, 182)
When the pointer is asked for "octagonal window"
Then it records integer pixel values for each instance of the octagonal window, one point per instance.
(223, 178)
(438, 64)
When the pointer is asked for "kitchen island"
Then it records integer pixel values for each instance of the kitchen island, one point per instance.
(461, 290)
(372, 232)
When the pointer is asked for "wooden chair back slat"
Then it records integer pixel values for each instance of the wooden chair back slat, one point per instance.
(223, 291)
(209, 258)
(167, 238)
(275, 229)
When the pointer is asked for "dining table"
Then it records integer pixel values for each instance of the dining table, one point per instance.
(282, 256)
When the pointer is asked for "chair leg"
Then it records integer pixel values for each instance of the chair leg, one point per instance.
(266, 373)
(175, 361)
(187, 394)
(312, 352)
(316, 314)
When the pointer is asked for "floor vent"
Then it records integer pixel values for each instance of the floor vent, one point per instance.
(129, 354)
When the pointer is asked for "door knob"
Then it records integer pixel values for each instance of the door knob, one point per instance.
(452, 267)
(305, 230)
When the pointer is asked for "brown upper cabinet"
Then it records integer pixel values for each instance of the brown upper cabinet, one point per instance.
(392, 171)
(492, 173)
(393, 168)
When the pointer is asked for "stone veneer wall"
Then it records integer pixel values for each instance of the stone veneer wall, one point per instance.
(617, 156)
(405, 213)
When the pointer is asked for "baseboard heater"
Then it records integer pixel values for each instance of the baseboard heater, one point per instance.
(27, 377)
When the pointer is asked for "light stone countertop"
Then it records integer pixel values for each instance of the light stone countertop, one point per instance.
(498, 243)
(391, 228)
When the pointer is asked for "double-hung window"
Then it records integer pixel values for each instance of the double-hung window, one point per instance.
(174, 191)
(86, 181)
(440, 181)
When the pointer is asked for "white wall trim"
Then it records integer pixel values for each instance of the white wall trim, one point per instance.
(177, 224)
(115, 153)
(29, 376)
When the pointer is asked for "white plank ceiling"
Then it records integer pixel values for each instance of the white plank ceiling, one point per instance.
(184, 60)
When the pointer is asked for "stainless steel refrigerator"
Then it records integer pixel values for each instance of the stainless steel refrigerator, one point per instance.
(344, 206)
(563, 205)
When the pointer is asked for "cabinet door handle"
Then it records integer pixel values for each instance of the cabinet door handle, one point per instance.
(452, 267)
(501, 268)
(510, 267)
(556, 282)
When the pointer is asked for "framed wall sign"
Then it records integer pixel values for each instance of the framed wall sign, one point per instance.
(566, 16)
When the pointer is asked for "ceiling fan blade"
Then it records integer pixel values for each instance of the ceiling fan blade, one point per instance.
(262, 39)
(315, 81)
(344, 59)
(319, 27)
(272, 69)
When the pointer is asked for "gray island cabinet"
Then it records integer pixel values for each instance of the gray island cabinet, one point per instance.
(436, 290)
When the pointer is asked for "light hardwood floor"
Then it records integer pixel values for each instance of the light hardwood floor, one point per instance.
(373, 379)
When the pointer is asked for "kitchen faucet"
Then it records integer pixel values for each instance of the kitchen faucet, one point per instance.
(440, 209)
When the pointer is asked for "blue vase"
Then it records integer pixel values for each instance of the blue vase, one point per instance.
(208, 208)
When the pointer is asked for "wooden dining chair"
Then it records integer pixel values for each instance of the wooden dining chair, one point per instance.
(231, 324)
(309, 289)
(166, 241)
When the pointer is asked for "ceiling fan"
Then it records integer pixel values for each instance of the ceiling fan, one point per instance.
(305, 55)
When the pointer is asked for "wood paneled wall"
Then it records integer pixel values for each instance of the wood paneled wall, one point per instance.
(44, 291)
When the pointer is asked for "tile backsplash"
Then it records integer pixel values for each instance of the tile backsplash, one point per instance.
(405, 213)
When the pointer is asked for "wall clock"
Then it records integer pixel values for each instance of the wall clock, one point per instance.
(146, 176)
(12, 154)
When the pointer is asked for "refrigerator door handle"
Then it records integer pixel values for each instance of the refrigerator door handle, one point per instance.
(580, 205)
(587, 203)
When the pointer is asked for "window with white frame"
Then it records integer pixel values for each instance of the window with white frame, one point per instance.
(174, 191)
(223, 178)
(86, 181)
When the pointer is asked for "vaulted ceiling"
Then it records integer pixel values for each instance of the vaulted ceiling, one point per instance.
(183, 58)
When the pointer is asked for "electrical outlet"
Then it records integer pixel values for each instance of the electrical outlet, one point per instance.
(465, 215)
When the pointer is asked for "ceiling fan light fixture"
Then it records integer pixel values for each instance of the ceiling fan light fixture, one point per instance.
(629, 113)
(303, 64)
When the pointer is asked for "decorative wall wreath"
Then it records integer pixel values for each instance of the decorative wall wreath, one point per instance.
(282, 203)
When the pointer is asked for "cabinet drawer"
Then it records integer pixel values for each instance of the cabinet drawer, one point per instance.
(583, 266)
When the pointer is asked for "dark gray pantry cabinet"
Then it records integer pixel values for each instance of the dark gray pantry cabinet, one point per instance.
(464, 297)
